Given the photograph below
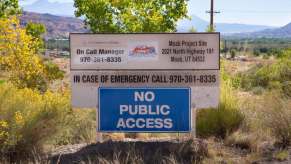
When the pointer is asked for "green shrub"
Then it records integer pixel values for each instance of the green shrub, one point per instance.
(221, 121)
(284, 54)
(29, 119)
(269, 76)
(218, 122)
(235, 81)
(53, 71)
(274, 85)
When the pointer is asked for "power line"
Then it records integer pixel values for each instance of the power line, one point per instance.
(253, 11)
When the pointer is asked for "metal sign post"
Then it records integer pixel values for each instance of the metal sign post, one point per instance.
(114, 71)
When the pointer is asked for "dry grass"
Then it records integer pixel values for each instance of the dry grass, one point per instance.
(266, 128)
(241, 140)
(276, 116)
(220, 153)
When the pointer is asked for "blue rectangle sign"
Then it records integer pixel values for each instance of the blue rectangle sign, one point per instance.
(144, 109)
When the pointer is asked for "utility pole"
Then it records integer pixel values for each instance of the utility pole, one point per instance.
(212, 12)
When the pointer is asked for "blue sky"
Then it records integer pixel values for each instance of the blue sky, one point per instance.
(28, 2)
(260, 12)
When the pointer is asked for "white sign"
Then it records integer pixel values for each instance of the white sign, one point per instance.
(145, 60)
(175, 51)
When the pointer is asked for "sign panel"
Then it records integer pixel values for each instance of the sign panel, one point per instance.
(144, 110)
(145, 78)
(175, 51)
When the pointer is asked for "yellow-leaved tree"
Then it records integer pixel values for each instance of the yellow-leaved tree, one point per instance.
(19, 57)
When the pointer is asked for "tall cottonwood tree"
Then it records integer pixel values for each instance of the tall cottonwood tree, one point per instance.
(131, 16)
(8, 7)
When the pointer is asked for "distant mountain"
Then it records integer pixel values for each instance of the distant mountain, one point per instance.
(200, 25)
(57, 26)
(55, 8)
(283, 32)
(60, 26)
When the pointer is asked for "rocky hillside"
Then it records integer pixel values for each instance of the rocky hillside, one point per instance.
(57, 26)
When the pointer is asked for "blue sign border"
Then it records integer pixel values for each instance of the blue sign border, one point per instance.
(126, 131)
